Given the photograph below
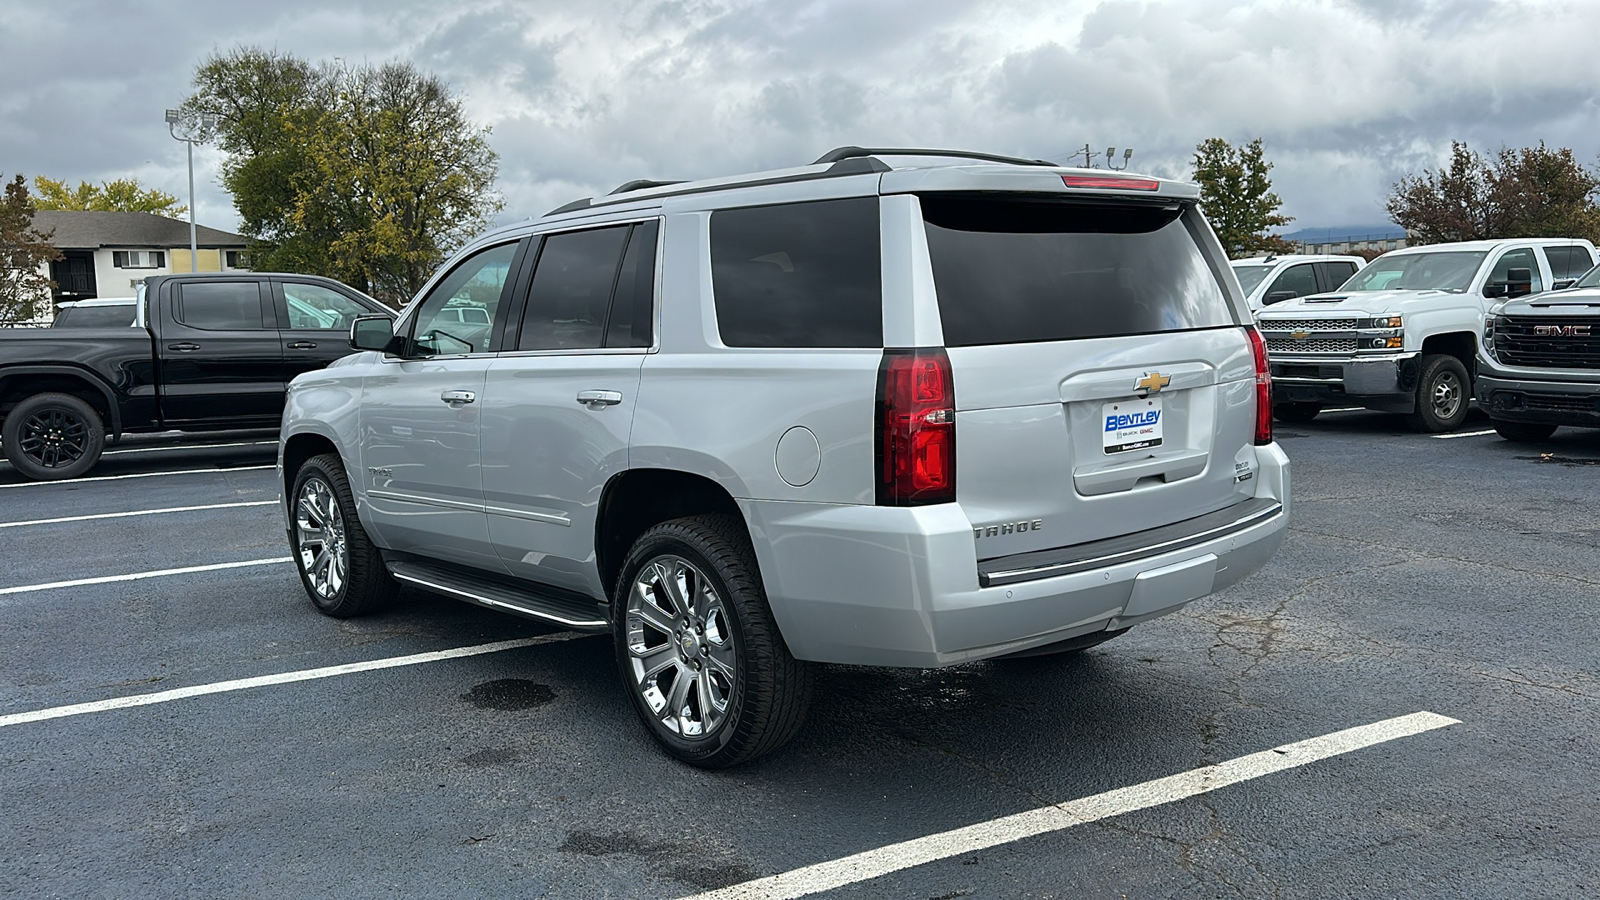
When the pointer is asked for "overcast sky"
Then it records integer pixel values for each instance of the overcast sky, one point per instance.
(583, 95)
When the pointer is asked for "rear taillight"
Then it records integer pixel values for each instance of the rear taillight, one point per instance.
(1263, 387)
(916, 428)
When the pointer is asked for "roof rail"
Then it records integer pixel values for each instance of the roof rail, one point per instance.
(640, 184)
(840, 153)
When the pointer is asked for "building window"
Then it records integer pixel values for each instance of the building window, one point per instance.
(138, 259)
(235, 259)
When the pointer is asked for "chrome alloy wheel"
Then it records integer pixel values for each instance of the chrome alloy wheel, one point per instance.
(680, 647)
(54, 438)
(319, 538)
(1447, 396)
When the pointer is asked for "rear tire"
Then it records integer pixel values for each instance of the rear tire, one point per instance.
(339, 566)
(697, 647)
(1443, 390)
(1296, 413)
(53, 436)
(1522, 432)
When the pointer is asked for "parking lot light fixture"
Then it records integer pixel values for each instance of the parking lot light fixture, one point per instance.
(207, 123)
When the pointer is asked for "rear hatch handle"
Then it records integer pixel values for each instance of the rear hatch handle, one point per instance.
(1115, 477)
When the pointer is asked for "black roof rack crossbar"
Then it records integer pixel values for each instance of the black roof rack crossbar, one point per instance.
(640, 184)
(854, 152)
(855, 165)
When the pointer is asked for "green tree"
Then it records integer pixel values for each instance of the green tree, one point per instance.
(23, 250)
(1532, 192)
(1237, 198)
(120, 195)
(371, 175)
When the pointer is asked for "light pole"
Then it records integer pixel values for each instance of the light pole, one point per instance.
(190, 138)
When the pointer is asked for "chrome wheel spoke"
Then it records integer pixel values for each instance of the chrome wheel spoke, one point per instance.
(678, 700)
(655, 660)
(319, 538)
(681, 654)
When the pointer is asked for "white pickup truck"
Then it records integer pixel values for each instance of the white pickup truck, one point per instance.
(1402, 335)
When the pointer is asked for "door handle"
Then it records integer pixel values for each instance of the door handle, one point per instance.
(303, 345)
(597, 399)
(455, 397)
(183, 347)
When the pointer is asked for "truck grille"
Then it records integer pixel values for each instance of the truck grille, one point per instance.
(1561, 403)
(1516, 344)
(1311, 345)
(1309, 324)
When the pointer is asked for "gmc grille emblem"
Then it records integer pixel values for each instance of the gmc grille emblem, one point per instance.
(1561, 330)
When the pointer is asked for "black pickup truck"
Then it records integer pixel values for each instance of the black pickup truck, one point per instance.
(205, 352)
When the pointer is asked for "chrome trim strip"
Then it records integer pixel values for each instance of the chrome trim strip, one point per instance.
(426, 501)
(1011, 576)
(498, 604)
(549, 518)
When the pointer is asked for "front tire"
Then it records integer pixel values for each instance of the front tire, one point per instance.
(1442, 394)
(1296, 413)
(697, 647)
(49, 437)
(1522, 432)
(339, 566)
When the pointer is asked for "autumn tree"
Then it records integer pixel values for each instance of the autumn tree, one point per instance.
(371, 175)
(1237, 198)
(23, 250)
(1532, 192)
(119, 195)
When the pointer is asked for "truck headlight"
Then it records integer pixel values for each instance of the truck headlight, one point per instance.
(1386, 322)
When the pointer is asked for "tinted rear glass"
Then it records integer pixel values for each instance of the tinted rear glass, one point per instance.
(220, 306)
(95, 317)
(1011, 271)
(798, 275)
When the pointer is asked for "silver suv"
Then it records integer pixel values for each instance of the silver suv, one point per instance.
(917, 415)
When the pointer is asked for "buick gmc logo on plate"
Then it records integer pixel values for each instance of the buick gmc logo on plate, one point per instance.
(1561, 330)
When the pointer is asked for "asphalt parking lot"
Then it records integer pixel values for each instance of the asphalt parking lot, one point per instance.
(460, 752)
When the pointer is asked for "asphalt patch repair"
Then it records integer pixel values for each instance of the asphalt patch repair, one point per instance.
(509, 694)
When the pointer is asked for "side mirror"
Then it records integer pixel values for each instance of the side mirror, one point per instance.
(1278, 297)
(1495, 289)
(371, 333)
(1563, 284)
(1519, 281)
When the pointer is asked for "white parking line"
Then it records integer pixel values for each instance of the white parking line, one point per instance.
(240, 684)
(190, 447)
(25, 484)
(1461, 434)
(1346, 409)
(895, 857)
(137, 512)
(139, 576)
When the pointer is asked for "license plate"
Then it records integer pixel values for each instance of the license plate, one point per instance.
(1131, 425)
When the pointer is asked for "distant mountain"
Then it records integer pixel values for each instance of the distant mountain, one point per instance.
(1339, 234)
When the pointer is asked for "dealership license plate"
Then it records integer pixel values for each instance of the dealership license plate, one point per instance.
(1131, 425)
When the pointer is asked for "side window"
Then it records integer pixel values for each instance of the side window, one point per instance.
(314, 306)
(457, 315)
(220, 306)
(1568, 262)
(571, 290)
(1336, 273)
(632, 321)
(1301, 279)
(1520, 258)
(799, 275)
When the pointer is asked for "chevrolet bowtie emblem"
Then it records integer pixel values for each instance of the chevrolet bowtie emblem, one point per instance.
(1299, 335)
(1152, 382)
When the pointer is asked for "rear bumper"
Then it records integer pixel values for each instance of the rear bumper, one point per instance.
(1513, 398)
(890, 586)
(1386, 382)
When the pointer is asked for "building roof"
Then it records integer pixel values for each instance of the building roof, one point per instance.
(1344, 233)
(77, 229)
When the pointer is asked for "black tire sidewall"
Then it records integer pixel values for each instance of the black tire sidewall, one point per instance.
(77, 407)
(652, 544)
(1522, 432)
(1432, 366)
(1296, 413)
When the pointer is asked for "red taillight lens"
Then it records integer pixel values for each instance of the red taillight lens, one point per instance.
(916, 428)
(1114, 182)
(1263, 387)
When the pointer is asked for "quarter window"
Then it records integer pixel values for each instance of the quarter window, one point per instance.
(632, 319)
(220, 306)
(798, 275)
(457, 315)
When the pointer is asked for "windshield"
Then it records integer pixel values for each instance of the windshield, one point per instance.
(1445, 271)
(1250, 276)
(1590, 278)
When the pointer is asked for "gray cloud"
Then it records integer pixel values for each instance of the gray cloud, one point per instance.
(1347, 94)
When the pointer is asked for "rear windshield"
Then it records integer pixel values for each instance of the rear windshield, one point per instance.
(95, 316)
(1011, 271)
